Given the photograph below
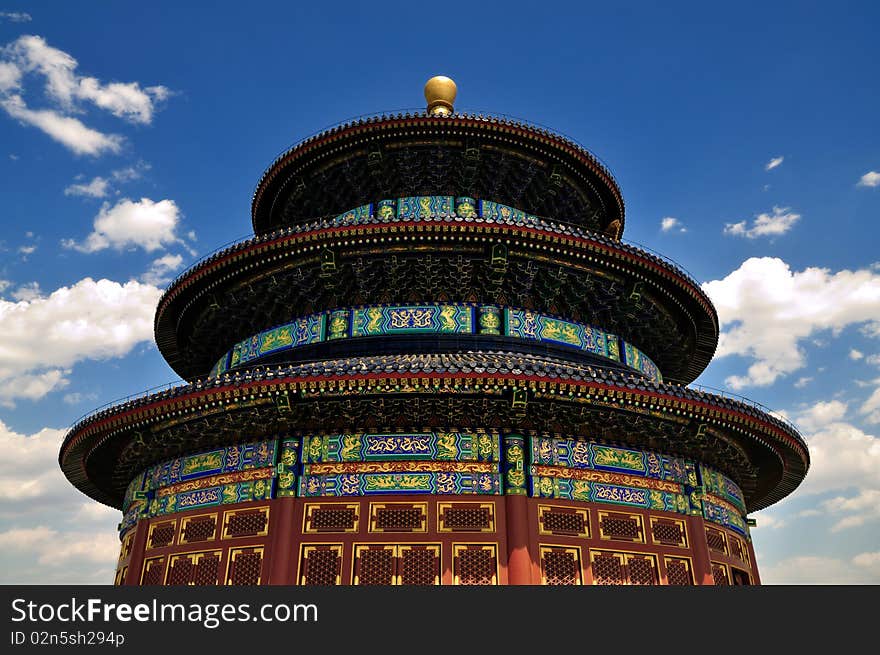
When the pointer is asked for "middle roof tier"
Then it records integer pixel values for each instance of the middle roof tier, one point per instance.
(437, 249)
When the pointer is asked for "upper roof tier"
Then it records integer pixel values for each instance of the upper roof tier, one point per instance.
(423, 154)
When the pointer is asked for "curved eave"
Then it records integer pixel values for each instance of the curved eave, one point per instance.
(336, 138)
(248, 257)
(772, 436)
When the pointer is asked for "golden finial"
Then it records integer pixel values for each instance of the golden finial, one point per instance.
(440, 93)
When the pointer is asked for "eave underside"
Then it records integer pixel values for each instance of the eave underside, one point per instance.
(103, 461)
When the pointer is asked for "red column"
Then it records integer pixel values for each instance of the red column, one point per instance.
(756, 579)
(519, 562)
(281, 541)
(138, 546)
(700, 550)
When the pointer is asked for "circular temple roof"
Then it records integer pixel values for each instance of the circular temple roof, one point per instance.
(498, 159)
(764, 455)
(549, 267)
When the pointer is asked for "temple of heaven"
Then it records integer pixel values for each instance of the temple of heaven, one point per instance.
(435, 362)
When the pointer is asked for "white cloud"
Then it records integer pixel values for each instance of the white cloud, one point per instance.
(124, 100)
(870, 179)
(768, 520)
(872, 328)
(160, 270)
(842, 458)
(45, 335)
(802, 382)
(27, 386)
(146, 224)
(871, 407)
(130, 173)
(92, 511)
(27, 250)
(668, 223)
(868, 560)
(127, 101)
(766, 310)
(25, 470)
(778, 223)
(863, 507)
(15, 16)
(773, 163)
(813, 569)
(873, 360)
(10, 77)
(46, 523)
(855, 354)
(27, 292)
(30, 54)
(76, 397)
(4, 285)
(55, 549)
(97, 188)
(65, 130)
(821, 414)
(25, 538)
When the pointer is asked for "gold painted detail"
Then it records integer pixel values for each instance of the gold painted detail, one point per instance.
(217, 480)
(602, 476)
(398, 467)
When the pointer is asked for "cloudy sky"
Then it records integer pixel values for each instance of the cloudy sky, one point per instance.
(745, 141)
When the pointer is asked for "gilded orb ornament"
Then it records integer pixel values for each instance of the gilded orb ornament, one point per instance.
(440, 93)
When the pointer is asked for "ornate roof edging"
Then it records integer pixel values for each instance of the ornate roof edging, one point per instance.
(492, 120)
(664, 397)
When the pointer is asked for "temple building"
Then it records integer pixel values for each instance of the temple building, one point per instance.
(435, 362)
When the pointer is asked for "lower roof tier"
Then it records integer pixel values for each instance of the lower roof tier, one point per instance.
(503, 391)
(445, 255)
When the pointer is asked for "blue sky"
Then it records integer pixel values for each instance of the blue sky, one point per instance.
(131, 137)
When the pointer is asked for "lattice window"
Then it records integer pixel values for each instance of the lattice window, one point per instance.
(198, 528)
(564, 521)
(738, 550)
(608, 569)
(678, 572)
(125, 547)
(740, 577)
(320, 565)
(466, 517)
(333, 518)
(161, 534)
(719, 574)
(614, 568)
(642, 570)
(398, 517)
(207, 570)
(120, 576)
(194, 569)
(154, 571)
(475, 564)
(716, 540)
(245, 565)
(375, 565)
(560, 565)
(247, 523)
(180, 571)
(419, 565)
(669, 532)
(621, 527)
